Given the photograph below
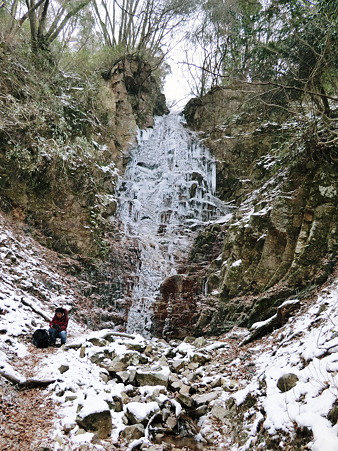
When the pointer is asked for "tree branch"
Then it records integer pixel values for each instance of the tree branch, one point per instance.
(29, 11)
(51, 35)
(263, 83)
(23, 383)
(35, 309)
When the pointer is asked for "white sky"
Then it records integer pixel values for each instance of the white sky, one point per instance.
(176, 87)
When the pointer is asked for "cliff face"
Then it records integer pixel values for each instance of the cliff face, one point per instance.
(63, 140)
(281, 239)
(135, 97)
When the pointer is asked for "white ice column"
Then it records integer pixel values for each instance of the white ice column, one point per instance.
(166, 194)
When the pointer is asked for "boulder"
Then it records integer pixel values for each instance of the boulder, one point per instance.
(287, 381)
(185, 400)
(138, 412)
(207, 397)
(95, 416)
(133, 432)
(153, 377)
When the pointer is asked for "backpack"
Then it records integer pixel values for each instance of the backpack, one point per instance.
(41, 338)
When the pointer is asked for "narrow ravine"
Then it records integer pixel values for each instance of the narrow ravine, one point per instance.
(166, 195)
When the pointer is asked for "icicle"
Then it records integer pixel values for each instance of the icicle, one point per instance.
(167, 190)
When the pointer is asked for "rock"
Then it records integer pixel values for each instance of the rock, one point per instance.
(63, 368)
(95, 416)
(178, 364)
(121, 362)
(175, 385)
(138, 412)
(191, 376)
(171, 422)
(133, 432)
(139, 347)
(193, 365)
(133, 84)
(118, 403)
(199, 411)
(163, 361)
(287, 309)
(184, 389)
(124, 376)
(96, 341)
(149, 377)
(107, 358)
(200, 342)
(199, 358)
(287, 381)
(148, 350)
(69, 346)
(229, 385)
(332, 416)
(207, 397)
(219, 412)
(186, 426)
(217, 382)
(104, 376)
(184, 400)
(67, 427)
(260, 329)
(189, 339)
(70, 397)
(115, 403)
(98, 422)
(103, 357)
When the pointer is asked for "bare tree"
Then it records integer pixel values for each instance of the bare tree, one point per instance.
(47, 18)
(139, 25)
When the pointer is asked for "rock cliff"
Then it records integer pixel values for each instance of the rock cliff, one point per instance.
(64, 138)
(281, 238)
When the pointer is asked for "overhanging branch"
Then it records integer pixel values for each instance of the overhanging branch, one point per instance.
(262, 83)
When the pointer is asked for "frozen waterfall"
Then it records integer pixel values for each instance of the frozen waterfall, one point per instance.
(167, 192)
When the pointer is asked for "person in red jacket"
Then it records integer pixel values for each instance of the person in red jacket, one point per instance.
(58, 326)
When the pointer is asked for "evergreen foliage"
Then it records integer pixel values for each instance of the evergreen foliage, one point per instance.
(290, 47)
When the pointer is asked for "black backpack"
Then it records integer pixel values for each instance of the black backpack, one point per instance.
(41, 338)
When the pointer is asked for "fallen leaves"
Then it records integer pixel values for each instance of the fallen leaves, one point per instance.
(27, 416)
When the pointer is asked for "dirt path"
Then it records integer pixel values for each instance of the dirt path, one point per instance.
(26, 415)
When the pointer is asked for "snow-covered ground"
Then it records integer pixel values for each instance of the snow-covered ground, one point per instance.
(307, 347)
(142, 382)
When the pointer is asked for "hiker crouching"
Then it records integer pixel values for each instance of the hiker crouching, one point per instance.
(58, 326)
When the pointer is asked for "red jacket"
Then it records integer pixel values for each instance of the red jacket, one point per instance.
(61, 322)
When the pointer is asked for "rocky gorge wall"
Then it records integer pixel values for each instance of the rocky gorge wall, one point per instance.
(63, 140)
(281, 239)
(63, 143)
